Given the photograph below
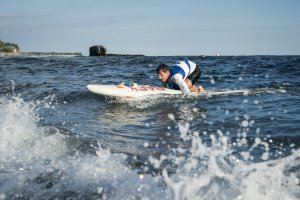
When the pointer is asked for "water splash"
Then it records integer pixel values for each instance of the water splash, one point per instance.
(38, 162)
(217, 171)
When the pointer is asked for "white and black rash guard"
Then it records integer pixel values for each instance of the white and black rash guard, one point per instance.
(178, 73)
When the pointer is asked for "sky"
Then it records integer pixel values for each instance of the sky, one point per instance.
(154, 27)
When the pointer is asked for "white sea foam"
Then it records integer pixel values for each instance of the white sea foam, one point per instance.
(39, 164)
(216, 172)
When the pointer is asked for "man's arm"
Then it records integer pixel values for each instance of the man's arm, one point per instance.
(181, 83)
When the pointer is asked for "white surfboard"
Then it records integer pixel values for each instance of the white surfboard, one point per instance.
(130, 92)
(144, 90)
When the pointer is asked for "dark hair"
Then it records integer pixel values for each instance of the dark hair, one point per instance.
(163, 67)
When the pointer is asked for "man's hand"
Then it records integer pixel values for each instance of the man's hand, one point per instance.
(201, 89)
(191, 87)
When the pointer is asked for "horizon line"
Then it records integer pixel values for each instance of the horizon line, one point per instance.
(140, 54)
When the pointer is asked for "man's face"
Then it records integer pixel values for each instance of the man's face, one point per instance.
(163, 76)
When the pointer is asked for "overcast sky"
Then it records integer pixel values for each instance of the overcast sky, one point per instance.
(154, 27)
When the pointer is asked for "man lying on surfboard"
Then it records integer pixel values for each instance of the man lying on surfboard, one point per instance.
(180, 76)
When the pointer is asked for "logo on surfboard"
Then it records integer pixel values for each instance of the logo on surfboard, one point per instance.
(147, 88)
(137, 88)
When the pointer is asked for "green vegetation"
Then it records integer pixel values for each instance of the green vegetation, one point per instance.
(7, 47)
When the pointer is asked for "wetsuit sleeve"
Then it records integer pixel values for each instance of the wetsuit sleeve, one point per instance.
(181, 83)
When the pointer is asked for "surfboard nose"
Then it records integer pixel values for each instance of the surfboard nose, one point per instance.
(92, 88)
(89, 86)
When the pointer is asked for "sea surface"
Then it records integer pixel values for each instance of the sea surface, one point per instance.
(60, 141)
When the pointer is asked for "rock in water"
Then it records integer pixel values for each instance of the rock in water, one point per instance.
(97, 50)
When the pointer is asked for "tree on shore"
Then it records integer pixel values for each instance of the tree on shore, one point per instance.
(7, 47)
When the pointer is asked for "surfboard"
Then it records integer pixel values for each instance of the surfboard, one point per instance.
(137, 91)
(130, 92)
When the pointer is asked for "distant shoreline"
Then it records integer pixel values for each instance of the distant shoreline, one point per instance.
(42, 54)
(121, 55)
(52, 53)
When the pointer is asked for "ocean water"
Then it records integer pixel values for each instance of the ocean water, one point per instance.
(60, 141)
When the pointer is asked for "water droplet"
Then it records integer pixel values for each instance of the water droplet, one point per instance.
(245, 123)
(146, 144)
(171, 116)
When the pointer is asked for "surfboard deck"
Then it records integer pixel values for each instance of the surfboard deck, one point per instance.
(145, 90)
(130, 92)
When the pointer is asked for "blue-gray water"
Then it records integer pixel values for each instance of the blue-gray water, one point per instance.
(58, 140)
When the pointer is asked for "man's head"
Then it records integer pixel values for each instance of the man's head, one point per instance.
(163, 72)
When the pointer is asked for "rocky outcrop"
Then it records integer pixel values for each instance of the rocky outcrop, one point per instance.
(97, 50)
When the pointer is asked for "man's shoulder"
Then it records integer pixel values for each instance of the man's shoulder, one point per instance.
(176, 77)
